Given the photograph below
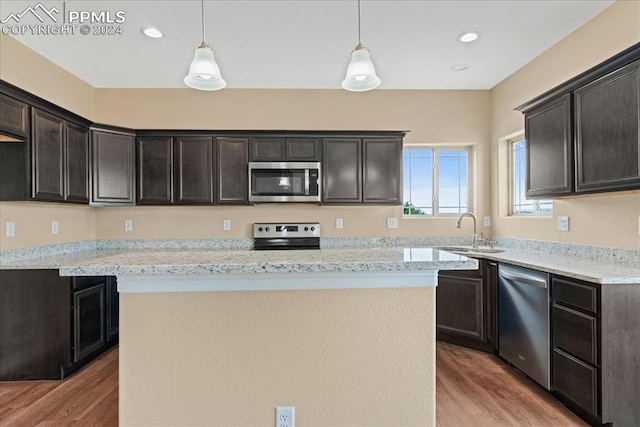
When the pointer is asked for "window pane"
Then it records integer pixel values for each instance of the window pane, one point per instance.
(520, 204)
(452, 182)
(418, 182)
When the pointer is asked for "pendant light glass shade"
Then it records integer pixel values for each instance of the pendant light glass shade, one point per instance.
(361, 74)
(204, 73)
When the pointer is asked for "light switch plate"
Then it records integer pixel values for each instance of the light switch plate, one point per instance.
(563, 223)
(226, 225)
(54, 227)
(128, 225)
(487, 221)
(339, 223)
(392, 222)
(11, 229)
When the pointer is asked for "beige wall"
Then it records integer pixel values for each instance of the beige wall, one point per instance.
(611, 219)
(358, 357)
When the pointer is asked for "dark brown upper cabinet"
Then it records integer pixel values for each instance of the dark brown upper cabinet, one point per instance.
(193, 159)
(232, 170)
(342, 170)
(280, 149)
(60, 159)
(607, 131)
(113, 166)
(549, 149)
(154, 170)
(583, 136)
(382, 170)
(14, 116)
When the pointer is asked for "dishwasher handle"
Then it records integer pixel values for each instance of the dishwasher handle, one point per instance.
(521, 277)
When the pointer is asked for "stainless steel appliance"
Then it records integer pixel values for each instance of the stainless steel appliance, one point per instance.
(284, 182)
(523, 321)
(303, 235)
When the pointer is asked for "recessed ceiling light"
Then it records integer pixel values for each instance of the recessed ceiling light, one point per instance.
(460, 67)
(154, 33)
(469, 37)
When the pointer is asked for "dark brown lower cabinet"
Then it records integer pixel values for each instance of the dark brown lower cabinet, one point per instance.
(50, 326)
(491, 287)
(462, 308)
(596, 350)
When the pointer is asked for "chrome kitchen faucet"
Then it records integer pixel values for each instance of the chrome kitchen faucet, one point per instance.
(474, 243)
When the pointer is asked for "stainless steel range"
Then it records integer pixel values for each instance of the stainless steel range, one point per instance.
(283, 236)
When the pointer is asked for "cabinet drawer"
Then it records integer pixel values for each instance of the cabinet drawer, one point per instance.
(575, 333)
(575, 294)
(575, 380)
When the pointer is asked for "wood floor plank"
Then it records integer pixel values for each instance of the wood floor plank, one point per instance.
(473, 389)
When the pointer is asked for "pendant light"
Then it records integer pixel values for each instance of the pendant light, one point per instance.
(204, 73)
(361, 74)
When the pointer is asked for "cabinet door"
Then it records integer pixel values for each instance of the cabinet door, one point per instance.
(112, 157)
(459, 306)
(154, 170)
(302, 149)
(607, 132)
(382, 170)
(193, 170)
(342, 170)
(88, 321)
(266, 149)
(549, 149)
(491, 285)
(232, 171)
(14, 116)
(76, 170)
(112, 309)
(48, 133)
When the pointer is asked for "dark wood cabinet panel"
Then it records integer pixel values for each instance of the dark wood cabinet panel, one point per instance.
(113, 166)
(460, 307)
(548, 132)
(76, 166)
(576, 380)
(575, 294)
(88, 321)
(232, 171)
(303, 149)
(193, 170)
(48, 133)
(14, 167)
(575, 333)
(607, 131)
(155, 170)
(265, 149)
(112, 309)
(14, 116)
(342, 170)
(491, 285)
(382, 173)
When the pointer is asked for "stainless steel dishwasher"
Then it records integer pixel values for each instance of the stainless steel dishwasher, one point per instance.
(523, 321)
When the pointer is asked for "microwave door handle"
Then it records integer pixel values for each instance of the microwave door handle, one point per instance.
(306, 181)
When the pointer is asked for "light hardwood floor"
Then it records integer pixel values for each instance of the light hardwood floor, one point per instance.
(473, 389)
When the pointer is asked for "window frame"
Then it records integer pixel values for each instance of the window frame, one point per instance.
(435, 197)
(535, 202)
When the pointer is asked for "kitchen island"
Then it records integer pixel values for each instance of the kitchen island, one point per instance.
(347, 336)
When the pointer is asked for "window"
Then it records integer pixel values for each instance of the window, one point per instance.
(520, 205)
(436, 181)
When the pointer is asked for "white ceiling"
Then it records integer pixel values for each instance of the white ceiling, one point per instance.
(307, 43)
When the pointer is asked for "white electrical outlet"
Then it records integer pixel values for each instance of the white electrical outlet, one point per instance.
(285, 416)
(11, 229)
(392, 222)
(54, 227)
(563, 223)
(639, 225)
(487, 221)
(340, 223)
(128, 225)
(226, 224)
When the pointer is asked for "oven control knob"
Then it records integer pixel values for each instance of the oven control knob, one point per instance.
(266, 229)
(306, 229)
(260, 229)
(313, 229)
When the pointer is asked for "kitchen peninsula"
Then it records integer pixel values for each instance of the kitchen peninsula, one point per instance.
(344, 335)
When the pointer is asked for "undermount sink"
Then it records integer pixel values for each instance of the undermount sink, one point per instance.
(467, 249)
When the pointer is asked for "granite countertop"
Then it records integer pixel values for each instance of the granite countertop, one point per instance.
(181, 262)
(568, 266)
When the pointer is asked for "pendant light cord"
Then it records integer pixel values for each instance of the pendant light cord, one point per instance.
(359, 26)
(203, 25)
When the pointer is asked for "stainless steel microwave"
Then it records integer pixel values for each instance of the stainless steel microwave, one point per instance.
(284, 182)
